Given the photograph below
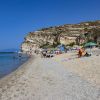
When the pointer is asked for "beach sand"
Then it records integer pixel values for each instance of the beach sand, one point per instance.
(86, 67)
(51, 79)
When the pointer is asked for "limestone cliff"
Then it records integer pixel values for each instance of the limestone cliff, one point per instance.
(49, 36)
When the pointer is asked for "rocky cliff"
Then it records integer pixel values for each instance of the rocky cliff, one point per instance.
(64, 34)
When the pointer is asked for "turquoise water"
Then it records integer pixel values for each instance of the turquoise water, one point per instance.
(10, 62)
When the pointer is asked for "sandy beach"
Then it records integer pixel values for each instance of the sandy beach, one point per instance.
(86, 67)
(59, 78)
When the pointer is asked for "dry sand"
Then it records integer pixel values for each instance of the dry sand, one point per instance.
(49, 79)
(86, 67)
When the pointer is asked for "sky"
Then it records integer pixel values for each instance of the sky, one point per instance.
(18, 17)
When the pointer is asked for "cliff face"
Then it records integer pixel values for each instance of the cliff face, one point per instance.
(66, 34)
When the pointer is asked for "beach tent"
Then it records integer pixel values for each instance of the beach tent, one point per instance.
(90, 44)
(61, 47)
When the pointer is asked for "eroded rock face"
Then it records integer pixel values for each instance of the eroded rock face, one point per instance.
(67, 34)
(35, 40)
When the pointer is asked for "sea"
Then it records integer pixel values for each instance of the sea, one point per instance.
(10, 61)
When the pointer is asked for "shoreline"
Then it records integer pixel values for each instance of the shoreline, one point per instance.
(46, 79)
(9, 62)
(18, 72)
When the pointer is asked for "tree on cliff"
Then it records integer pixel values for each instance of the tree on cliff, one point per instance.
(92, 34)
(80, 39)
(57, 33)
(96, 34)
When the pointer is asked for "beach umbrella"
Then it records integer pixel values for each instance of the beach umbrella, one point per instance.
(90, 44)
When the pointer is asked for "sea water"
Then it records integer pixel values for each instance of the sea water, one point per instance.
(10, 62)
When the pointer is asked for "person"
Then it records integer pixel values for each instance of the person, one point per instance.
(87, 54)
(80, 52)
(44, 54)
(83, 53)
